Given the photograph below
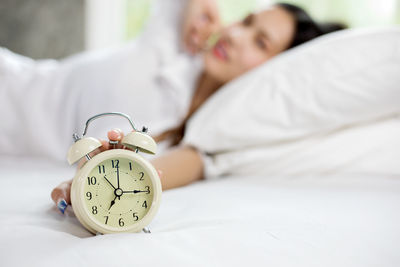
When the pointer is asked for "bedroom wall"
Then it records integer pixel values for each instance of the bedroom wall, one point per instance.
(42, 28)
(58, 28)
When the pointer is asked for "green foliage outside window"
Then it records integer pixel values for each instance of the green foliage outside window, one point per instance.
(354, 13)
(137, 12)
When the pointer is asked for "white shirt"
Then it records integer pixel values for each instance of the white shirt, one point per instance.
(42, 103)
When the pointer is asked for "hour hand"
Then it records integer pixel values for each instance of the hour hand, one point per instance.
(112, 203)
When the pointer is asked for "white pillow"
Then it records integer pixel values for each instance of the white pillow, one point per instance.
(339, 80)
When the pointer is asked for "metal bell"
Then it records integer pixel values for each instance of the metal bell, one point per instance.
(140, 141)
(81, 148)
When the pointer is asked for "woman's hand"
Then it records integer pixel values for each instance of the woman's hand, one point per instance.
(61, 194)
(202, 19)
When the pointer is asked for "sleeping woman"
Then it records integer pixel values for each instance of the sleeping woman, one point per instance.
(241, 47)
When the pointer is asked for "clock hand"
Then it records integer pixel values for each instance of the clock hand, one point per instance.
(135, 191)
(118, 177)
(119, 197)
(109, 182)
(112, 202)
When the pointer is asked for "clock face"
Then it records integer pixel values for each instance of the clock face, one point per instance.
(118, 192)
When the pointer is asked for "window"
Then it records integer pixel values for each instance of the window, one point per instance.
(111, 22)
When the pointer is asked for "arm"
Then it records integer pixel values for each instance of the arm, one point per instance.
(178, 167)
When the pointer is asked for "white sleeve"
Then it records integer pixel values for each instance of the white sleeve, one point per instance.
(43, 102)
(33, 107)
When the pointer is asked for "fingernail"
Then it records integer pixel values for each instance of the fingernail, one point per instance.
(117, 132)
(62, 205)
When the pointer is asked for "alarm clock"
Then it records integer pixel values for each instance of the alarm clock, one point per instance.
(117, 190)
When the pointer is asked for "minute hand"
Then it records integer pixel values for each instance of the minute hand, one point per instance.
(118, 176)
(136, 191)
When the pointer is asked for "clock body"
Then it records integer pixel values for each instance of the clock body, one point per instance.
(116, 191)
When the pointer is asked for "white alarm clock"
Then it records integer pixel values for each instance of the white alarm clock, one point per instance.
(116, 190)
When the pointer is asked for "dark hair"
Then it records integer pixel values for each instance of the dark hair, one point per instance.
(306, 28)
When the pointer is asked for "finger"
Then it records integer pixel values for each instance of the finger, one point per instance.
(160, 173)
(104, 145)
(190, 40)
(206, 31)
(95, 152)
(197, 29)
(216, 27)
(61, 196)
(212, 20)
(115, 135)
(83, 160)
(62, 191)
(213, 13)
(204, 27)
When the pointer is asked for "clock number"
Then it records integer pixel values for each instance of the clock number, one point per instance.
(92, 180)
(102, 169)
(130, 166)
(89, 195)
(121, 222)
(115, 163)
(106, 219)
(144, 204)
(135, 217)
(94, 209)
(141, 176)
(147, 189)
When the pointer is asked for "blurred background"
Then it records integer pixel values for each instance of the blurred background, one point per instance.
(58, 28)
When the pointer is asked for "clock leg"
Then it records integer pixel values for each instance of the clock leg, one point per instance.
(98, 233)
(146, 230)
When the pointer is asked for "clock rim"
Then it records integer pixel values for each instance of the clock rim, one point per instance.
(78, 200)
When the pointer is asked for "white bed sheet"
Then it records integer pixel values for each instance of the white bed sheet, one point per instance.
(348, 220)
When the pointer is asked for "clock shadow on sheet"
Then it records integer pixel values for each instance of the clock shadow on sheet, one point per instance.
(67, 222)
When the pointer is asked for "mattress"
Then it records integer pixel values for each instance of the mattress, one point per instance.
(326, 220)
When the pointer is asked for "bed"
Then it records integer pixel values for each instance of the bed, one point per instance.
(330, 220)
(314, 181)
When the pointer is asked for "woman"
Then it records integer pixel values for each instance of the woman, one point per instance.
(241, 47)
